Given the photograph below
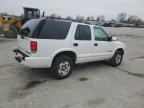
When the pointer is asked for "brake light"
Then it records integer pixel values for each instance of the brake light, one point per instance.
(33, 46)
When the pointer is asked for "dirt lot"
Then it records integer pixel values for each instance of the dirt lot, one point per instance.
(92, 85)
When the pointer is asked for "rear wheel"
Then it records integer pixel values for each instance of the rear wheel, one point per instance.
(116, 59)
(62, 67)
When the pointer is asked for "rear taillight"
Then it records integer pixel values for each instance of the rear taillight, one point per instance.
(33, 46)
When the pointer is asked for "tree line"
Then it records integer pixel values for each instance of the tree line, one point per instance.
(121, 17)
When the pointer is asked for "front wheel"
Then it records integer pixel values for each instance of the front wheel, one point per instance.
(62, 67)
(116, 59)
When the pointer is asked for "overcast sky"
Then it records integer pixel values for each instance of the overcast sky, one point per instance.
(109, 8)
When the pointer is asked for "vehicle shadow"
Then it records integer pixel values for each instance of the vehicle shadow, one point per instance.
(30, 78)
(45, 74)
(35, 74)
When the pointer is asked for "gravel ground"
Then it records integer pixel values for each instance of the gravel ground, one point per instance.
(92, 85)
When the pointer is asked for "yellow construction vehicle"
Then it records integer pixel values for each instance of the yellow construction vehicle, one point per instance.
(1, 23)
(10, 25)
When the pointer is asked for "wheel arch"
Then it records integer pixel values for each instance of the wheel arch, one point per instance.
(120, 49)
(69, 53)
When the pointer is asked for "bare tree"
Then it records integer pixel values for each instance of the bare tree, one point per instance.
(90, 18)
(113, 20)
(101, 18)
(133, 19)
(142, 22)
(53, 16)
(69, 18)
(80, 18)
(3, 14)
(58, 17)
(98, 19)
(121, 17)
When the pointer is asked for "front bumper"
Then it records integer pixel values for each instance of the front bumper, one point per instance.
(32, 62)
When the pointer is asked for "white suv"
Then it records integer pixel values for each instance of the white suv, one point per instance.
(59, 44)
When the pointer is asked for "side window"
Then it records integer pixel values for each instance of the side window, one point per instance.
(53, 29)
(100, 34)
(83, 32)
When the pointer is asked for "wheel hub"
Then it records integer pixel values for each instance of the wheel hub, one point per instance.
(64, 68)
(118, 58)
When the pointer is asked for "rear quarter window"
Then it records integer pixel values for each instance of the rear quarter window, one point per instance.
(53, 29)
(31, 24)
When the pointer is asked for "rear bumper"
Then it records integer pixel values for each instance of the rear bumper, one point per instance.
(32, 62)
(19, 55)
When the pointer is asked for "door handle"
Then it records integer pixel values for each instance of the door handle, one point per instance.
(75, 44)
(95, 44)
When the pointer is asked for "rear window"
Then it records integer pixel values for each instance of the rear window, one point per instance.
(53, 29)
(31, 24)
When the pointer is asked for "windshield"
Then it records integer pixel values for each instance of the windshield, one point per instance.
(31, 25)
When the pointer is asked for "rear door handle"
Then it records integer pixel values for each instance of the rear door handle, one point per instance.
(95, 44)
(75, 44)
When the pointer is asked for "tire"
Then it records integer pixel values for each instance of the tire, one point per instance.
(116, 59)
(62, 67)
(12, 33)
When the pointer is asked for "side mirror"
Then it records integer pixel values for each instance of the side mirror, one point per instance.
(110, 38)
(114, 38)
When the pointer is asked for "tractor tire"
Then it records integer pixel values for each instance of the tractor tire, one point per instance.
(8, 34)
(12, 33)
